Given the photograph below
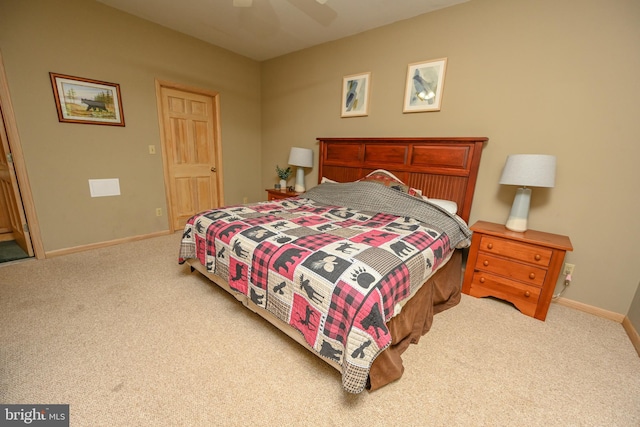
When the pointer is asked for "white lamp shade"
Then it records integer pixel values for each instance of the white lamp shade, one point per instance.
(529, 170)
(301, 157)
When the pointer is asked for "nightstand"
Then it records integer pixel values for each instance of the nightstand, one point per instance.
(274, 194)
(521, 268)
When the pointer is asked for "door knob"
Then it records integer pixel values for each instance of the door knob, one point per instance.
(213, 169)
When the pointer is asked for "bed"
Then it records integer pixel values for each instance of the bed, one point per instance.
(352, 270)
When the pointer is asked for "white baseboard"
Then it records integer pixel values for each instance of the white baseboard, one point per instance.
(606, 314)
(633, 334)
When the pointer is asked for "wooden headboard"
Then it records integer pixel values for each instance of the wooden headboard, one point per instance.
(443, 168)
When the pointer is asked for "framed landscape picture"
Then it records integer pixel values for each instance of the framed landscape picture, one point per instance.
(355, 95)
(425, 82)
(80, 100)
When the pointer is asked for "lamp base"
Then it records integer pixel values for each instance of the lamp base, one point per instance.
(300, 180)
(519, 216)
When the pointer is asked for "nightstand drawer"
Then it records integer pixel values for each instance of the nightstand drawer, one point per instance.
(514, 270)
(524, 297)
(514, 250)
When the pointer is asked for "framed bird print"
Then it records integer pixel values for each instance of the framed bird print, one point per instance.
(355, 95)
(425, 82)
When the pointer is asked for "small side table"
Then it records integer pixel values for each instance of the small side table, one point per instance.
(521, 268)
(275, 194)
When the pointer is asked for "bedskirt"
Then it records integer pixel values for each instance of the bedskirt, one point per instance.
(441, 292)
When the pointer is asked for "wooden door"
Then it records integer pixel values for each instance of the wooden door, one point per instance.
(191, 152)
(12, 216)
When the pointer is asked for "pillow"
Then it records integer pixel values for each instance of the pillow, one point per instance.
(448, 205)
(388, 179)
(325, 179)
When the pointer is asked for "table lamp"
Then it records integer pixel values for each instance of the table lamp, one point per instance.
(526, 170)
(301, 158)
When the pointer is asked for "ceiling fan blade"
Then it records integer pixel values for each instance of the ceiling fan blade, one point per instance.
(242, 3)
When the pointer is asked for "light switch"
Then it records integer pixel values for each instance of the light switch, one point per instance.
(152, 149)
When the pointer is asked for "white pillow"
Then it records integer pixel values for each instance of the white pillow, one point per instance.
(448, 205)
(325, 179)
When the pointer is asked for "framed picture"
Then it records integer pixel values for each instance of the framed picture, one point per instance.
(425, 82)
(355, 95)
(81, 100)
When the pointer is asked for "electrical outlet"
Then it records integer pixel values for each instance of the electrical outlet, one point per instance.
(245, 199)
(568, 268)
(158, 211)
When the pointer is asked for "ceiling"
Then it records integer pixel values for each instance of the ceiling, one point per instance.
(270, 28)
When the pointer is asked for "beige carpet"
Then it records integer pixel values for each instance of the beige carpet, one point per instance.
(128, 337)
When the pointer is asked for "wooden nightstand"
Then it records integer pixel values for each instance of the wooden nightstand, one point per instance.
(273, 194)
(521, 268)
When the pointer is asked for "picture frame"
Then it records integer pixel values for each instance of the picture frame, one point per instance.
(355, 95)
(82, 100)
(424, 86)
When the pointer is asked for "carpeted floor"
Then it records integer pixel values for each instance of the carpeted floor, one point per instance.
(10, 251)
(128, 337)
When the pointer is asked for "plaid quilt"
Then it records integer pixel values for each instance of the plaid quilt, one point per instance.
(334, 272)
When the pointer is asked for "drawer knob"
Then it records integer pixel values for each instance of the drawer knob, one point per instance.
(485, 263)
(527, 294)
(537, 257)
(532, 276)
(490, 246)
(482, 280)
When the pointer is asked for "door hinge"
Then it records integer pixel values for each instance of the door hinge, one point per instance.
(9, 158)
(25, 227)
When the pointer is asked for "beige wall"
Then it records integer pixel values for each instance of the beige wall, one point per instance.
(535, 76)
(87, 39)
